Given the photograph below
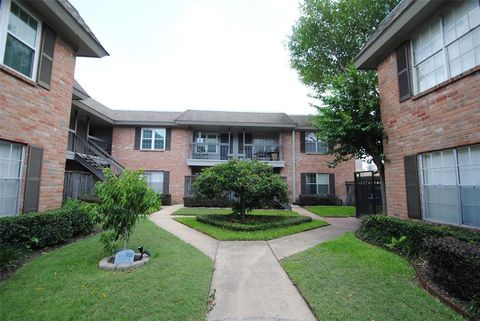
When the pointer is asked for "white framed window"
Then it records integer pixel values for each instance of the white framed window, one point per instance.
(314, 145)
(447, 46)
(451, 186)
(317, 183)
(155, 180)
(11, 160)
(206, 143)
(153, 139)
(20, 38)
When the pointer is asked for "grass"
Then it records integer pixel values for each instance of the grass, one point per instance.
(347, 279)
(66, 284)
(229, 235)
(223, 211)
(332, 211)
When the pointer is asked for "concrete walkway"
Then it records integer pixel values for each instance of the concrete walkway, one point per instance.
(204, 243)
(248, 281)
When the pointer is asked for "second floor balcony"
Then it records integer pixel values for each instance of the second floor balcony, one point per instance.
(209, 151)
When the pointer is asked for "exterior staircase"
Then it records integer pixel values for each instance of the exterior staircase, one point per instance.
(94, 158)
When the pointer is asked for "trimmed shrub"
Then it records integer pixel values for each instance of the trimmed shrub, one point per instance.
(21, 234)
(379, 229)
(455, 265)
(190, 201)
(38, 230)
(314, 199)
(167, 199)
(253, 222)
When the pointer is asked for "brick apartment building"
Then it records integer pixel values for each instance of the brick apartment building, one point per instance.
(427, 55)
(174, 146)
(55, 140)
(39, 41)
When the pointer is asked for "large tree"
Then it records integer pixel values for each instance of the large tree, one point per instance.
(323, 45)
(248, 184)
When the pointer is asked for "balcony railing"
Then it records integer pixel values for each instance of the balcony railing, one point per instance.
(210, 151)
(222, 151)
(269, 153)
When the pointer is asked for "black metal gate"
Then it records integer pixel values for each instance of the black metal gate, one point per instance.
(368, 197)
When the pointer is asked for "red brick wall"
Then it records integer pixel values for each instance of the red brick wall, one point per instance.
(446, 117)
(174, 160)
(314, 163)
(32, 115)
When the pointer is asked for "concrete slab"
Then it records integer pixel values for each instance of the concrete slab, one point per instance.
(202, 242)
(250, 284)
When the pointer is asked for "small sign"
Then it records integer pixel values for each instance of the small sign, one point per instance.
(124, 257)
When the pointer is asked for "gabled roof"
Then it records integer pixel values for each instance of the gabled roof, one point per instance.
(189, 117)
(398, 26)
(204, 117)
(78, 91)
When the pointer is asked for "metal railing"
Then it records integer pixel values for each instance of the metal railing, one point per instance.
(219, 151)
(267, 153)
(93, 154)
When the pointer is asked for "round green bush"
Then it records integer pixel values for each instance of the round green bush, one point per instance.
(252, 222)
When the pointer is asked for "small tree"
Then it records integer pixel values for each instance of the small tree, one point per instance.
(123, 201)
(249, 184)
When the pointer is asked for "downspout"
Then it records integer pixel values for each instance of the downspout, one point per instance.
(294, 156)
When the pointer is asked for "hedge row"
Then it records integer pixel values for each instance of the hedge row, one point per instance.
(380, 229)
(313, 199)
(19, 234)
(190, 201)
(265, 222)
(455, 265)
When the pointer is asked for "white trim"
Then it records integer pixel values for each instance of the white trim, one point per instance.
(205, 144)
(152, 145)
(443, 49)
(4, 18)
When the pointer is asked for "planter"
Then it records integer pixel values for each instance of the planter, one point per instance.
(107, 263)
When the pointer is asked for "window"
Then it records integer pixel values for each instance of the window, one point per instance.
(10, 177)
(155, 181)
(21, 44)
(317, 184)
(451, 185)
(314, 145)
(153, 139)
(207, 143)
(447, 46)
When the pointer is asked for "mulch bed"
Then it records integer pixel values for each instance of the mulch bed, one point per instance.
(4, 275)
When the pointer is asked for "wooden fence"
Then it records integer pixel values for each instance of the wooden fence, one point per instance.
(77, 184)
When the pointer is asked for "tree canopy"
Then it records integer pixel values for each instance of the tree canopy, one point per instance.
(329, 34)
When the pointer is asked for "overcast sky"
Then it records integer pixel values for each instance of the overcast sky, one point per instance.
(174, 55)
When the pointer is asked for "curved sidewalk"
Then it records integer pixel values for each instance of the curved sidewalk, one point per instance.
(248, 283)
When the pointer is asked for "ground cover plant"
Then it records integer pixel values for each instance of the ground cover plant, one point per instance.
(231, 235)
(67, 284)
(252, 222)
(348, 279)
(332, 211)
(216, 211)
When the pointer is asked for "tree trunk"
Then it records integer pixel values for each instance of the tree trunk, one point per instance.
(383, 189)
(242, 212)
(125, 239)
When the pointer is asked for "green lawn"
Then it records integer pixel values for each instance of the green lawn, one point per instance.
(347, 279)
(332, 211)
(66, 284)
(223, 211)
(229, 235)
